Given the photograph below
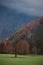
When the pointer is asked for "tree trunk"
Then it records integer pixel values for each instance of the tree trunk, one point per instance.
(15, 55)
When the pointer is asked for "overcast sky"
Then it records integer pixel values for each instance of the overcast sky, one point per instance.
(31, 7)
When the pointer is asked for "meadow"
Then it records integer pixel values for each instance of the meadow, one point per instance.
(9, 59)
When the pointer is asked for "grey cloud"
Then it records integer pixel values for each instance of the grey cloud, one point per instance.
(32, 7)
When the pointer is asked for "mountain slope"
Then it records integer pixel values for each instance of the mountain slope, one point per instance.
(11, 20)
(31, 33)
(28, 39)
(31, 30)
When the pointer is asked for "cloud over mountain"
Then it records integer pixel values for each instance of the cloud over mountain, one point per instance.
(32, 7)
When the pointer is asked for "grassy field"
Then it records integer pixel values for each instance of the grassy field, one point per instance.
(8, 59)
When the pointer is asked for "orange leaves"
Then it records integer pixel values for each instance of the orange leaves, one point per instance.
(22, 47)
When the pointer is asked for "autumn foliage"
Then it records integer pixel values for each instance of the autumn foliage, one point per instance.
(22, 47)
(5, 47)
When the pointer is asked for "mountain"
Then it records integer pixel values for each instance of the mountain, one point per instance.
(34, 28)
(11, 20)
(32, 33)
(27, 40)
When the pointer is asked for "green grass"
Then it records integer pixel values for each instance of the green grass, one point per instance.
(8, 59)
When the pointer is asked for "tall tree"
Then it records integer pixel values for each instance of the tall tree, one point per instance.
(22, 47)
